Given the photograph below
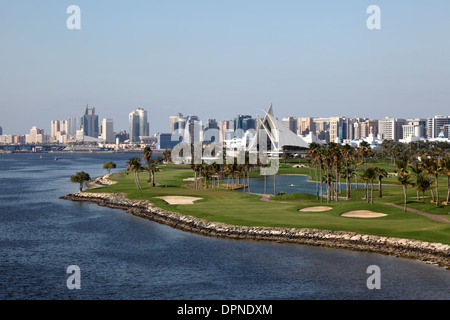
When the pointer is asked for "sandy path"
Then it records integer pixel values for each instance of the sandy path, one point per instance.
(428, 215)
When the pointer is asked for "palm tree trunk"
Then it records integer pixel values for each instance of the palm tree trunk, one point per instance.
(195, 179)
(380, 192)
(437, 191)
(321, 185)
(404, 193)
(274, 184)
(448, 188)
(317, 183)
(371, 194)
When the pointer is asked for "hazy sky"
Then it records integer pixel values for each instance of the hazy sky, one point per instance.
(220, 58)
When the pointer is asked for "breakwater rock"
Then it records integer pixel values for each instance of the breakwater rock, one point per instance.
(436, 253)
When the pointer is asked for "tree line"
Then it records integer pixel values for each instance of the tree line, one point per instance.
(415, 167)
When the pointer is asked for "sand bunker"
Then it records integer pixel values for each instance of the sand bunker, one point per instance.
(315, 209)
(179, 199)
(363, 214)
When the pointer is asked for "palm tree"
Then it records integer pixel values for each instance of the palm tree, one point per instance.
(134, 164)
(167, 155)
(380, 173)
(369, 175)
(417, 170)
(148, 158)
(423, 183)
(405, 179)
(147, 153)
(348, 174)
(363, 151)
(152, 167)
(327, 161)
(428, 165)
(81, 178)
(314, 154)
(109, 165)
(434, 167)
(446, 171)
(347, 154)
(335, 154)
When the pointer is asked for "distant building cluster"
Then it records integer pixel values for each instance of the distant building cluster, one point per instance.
(342, 130)
(241, 130)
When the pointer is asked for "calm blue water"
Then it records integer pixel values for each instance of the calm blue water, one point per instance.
(290, 184)
(125, 257)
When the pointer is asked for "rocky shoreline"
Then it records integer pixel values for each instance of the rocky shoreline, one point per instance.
(435, 253)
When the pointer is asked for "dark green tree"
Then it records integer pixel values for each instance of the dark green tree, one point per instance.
(80, 177)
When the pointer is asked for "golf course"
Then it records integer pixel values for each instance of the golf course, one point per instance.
(216, 201)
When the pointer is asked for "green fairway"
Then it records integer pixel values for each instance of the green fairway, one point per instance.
(237, 208)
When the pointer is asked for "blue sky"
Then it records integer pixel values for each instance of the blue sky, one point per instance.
(217, 59)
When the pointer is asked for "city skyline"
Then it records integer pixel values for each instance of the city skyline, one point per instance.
(314, 59)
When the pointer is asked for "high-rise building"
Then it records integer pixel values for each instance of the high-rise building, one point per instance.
(336, 127)
(391, 128)
(1, 131)
(290, 123)
(139, 126)
(193, 128)
(36, 136)
(177, 122)
(305, 126)
(225, 127)
(90, 123)
(239, 124)
(108, 130)
(369, 127)
(435, 126)
(249, 124)
(211, 124)
(59, 130)
(239, 121)
(446, 130)
(74, 123)
(412, 130)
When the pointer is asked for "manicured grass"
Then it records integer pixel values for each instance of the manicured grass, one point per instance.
(239, 208)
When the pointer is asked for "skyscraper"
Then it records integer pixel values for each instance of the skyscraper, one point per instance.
(248, 124)
(108, 130)
(306, 125)
(177, 122)
(435, 126)
(194, 128)
(90, 123)
(74, 124)
(290, 123)
(138, 125)
(391, 128)
(211, 124)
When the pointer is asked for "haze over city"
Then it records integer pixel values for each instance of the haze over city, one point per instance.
(217, 60)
